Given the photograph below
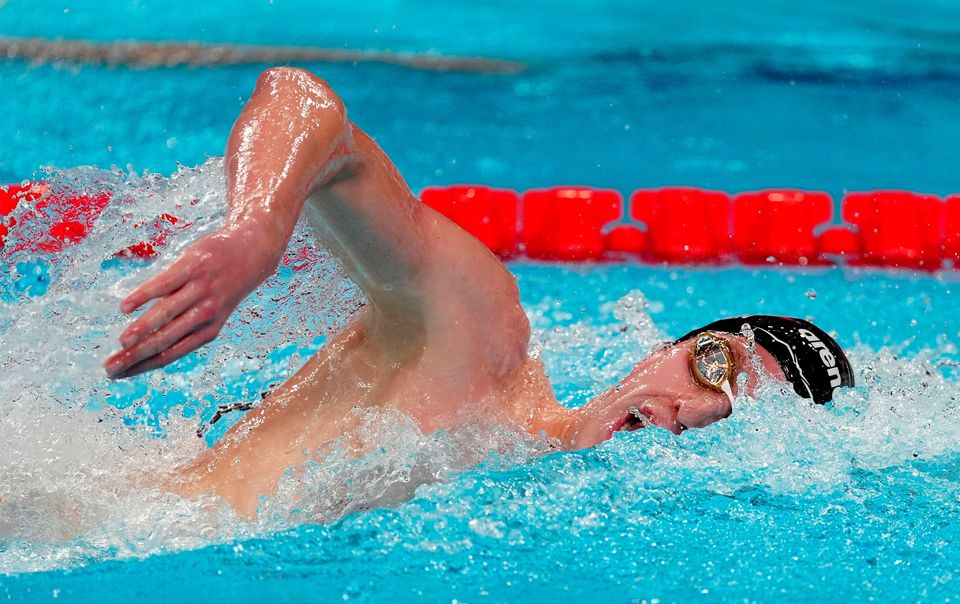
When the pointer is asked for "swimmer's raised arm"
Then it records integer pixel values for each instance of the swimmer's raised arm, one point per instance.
(284, 138)
(291, 143)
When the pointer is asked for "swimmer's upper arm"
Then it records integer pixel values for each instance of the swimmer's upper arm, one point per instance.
(369, 219)
(421, 272)
(293, 149)
(473, 295)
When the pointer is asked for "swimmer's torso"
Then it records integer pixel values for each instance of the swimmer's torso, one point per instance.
(443, 336)
(441, 382)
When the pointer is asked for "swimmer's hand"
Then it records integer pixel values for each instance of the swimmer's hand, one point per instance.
(195, 296)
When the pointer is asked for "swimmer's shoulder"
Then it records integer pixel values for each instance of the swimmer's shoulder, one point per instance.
(471, 295)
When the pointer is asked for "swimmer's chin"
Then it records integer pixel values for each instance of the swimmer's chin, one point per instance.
(589, 429)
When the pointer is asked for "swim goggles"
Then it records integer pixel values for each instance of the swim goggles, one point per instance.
(711, 362)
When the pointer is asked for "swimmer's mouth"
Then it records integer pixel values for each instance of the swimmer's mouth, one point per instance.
(634, 420)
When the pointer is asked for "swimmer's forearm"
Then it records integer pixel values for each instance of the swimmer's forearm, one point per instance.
(291, 140)
(290, 137)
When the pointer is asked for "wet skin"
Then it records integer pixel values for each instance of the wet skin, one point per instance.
(661, 391)
(443, 338)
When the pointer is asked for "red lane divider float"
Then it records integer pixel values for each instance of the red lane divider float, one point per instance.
(780, 224)
(10, 198)
(488, 214)
(160, 230)
(897, 228)
(566, 223)
(670, 225)
(72, 219)
(951, 231)
(684, 224)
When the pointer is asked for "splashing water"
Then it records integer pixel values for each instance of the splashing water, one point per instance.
(81, 454)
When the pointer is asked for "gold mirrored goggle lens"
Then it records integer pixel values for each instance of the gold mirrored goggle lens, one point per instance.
(711, 361)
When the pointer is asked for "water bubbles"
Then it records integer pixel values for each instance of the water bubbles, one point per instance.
(486, 528)
(83, 455)
(632, 310)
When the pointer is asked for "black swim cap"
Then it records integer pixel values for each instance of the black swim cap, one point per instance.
(810, 359)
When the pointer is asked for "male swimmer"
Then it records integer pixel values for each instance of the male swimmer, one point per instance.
(443, 333)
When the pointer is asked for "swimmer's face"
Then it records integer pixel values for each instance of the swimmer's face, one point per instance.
(662, 391)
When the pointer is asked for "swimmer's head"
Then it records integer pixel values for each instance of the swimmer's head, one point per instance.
(809, 358)
(692, 382)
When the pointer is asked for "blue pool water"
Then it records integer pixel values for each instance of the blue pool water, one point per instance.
(783, 501)
(734, 95)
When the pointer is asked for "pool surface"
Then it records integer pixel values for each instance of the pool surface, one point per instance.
(783, 501)
(848, 96)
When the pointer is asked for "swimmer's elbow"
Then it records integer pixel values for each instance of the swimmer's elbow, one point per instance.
(278, 78)
(315, 93)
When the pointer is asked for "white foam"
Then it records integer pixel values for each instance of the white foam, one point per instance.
(80, 454)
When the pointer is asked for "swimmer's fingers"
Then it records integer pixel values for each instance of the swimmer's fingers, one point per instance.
(201, 319)
(171, 279)
(160, 314)
(183, 347)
